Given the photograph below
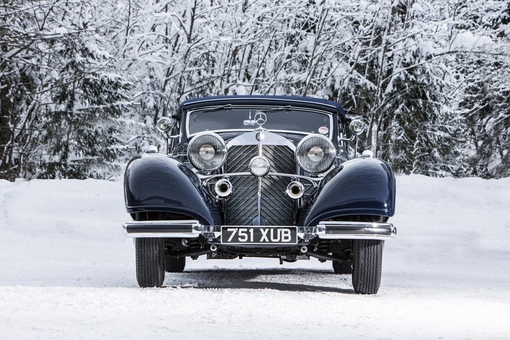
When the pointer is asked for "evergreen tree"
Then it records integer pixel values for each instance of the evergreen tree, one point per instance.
(396, 83)
(19, 83)
(62, 101)
(79, 80)
(485, 78)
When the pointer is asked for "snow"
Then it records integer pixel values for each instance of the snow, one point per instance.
(67, 272)
(467, 40)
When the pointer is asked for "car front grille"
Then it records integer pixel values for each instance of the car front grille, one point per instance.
(276, 207)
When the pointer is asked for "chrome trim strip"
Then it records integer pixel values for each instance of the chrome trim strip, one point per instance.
(259, 200)
(313, 180)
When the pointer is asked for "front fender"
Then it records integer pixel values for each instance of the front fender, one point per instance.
(362, 186)
(156, 182)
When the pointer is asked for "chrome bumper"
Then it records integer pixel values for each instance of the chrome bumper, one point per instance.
(334, 230)
(329, 230)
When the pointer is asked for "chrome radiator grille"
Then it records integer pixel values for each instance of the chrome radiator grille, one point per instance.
(276, 207)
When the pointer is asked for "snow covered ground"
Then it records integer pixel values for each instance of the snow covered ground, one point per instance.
(67, 272)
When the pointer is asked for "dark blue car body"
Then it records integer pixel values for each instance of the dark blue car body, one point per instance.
(236, 182)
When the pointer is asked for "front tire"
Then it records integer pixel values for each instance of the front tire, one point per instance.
(367, 266)
(150, 266)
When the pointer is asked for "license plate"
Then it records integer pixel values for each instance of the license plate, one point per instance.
(259, 235)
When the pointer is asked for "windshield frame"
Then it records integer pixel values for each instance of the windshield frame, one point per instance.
(265, 109)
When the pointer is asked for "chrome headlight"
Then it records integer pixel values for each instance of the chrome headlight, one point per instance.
(315, 153)
(207, 151)
(165, 124)
(357, 127)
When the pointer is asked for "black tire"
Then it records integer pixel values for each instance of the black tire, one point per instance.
(150, 266)
(175, 264)
(367, 266)
(342, 267)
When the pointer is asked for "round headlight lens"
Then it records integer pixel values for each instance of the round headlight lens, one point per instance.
(315, 153)
(207, 151)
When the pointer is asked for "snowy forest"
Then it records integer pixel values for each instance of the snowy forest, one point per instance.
(82, 83)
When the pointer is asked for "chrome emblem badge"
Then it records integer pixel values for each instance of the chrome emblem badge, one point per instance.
(260, 118)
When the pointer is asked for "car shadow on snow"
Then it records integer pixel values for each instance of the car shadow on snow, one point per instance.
(290, 280)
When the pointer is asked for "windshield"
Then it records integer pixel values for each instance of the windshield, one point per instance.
(288, 119)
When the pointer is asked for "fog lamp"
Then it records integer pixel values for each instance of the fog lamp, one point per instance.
(357, 127)
(259, 166)
(164, 124)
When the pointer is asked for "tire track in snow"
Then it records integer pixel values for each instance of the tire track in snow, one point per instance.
(291, 280)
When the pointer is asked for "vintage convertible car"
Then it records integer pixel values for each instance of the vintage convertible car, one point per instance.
(260, 176)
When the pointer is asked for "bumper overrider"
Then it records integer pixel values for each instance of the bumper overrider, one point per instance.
(329, 230)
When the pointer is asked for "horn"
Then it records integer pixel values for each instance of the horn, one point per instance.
(223, 188)
(295, 190)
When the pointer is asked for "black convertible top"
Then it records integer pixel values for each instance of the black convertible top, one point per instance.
(315, 103)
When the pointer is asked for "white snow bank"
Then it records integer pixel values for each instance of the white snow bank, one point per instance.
(67, 271)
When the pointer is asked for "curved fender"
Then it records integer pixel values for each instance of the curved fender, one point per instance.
(362, 186)
(155, 182)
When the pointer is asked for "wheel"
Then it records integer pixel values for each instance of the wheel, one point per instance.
(175, 264)
(342, 267)
(150, 266)
(367, 266)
